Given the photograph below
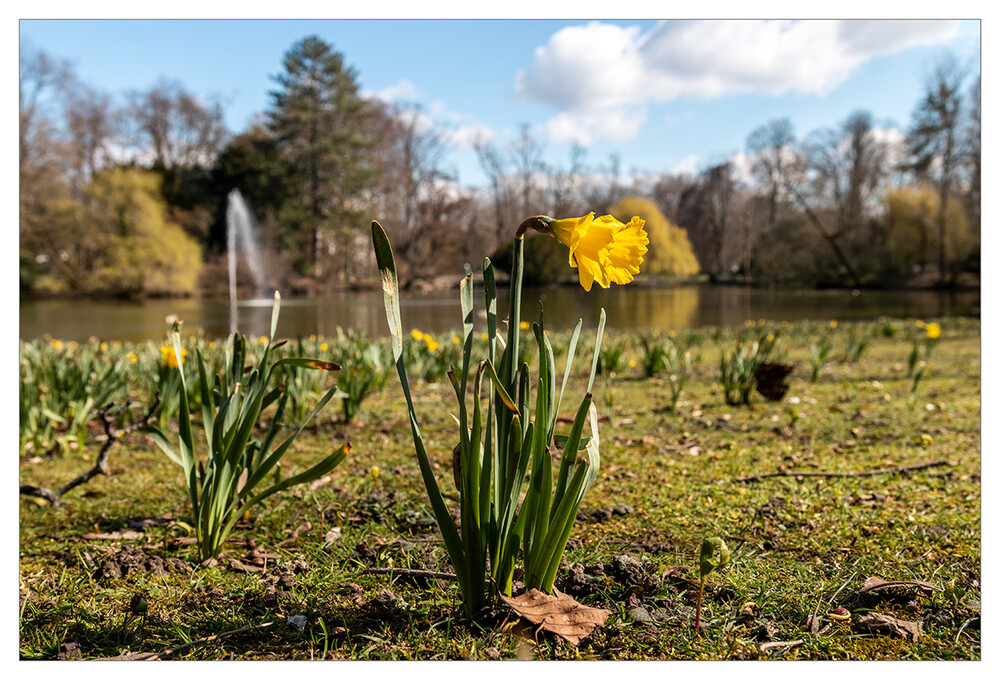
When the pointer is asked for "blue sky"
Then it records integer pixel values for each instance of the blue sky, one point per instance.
(663, 96)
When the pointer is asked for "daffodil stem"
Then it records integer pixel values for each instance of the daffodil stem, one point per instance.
(514, 316)
(697, 615)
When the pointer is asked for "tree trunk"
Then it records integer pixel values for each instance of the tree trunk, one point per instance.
(828, 237)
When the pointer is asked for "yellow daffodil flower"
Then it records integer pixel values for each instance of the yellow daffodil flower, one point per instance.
(603, 249)
(323, 347)
(417, 335)
(833, 324)
(933, 331)
(525, 325)
(169, 358)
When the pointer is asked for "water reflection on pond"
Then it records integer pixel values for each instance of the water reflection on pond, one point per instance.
(627, 308)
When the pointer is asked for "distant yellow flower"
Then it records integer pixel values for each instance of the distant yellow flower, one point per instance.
(132, 357)
(483, 336)
(455, 340)
(169, 358)
(416, 335)
(525, 325)
(749, 322)
(603, 249)
(432, 344)
(263, 339)
(57, 345)
(323, 347)
(933, 331)
(103, 347)
(211, 345)
(833, 324)
(770, 337)
(374, 472)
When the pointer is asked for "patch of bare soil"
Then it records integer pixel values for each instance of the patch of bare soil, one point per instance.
(130, 559)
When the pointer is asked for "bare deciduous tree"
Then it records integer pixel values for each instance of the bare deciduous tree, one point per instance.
(705, 210)
(93, 124)
(526, 155)
(409, 155)
(846, 168)
(770, 148)
(934, 140)
(41, 81)
(175, 127)
(494, 166)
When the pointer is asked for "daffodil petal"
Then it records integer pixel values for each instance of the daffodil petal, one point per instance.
(603, 249)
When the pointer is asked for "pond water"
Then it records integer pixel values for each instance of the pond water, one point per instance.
(630, 307)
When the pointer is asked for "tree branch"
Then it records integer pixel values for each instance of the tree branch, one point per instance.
(413, 573)
(862, 473)
(114, 433)
(174, 650)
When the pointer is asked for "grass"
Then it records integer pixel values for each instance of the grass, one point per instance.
(668, 479)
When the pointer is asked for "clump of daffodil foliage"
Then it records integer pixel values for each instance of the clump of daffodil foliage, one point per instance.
(517, 431)
(223, 479)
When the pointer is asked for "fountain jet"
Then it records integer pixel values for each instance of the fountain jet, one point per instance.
(240, 236)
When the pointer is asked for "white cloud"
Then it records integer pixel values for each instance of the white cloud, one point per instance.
(404, 90)
(583, 66)
(686, 166)
(617, 124)
(466, 136)
(717, 58)
(741, 164)
(599, 76)
(461, 130)
(456, 129)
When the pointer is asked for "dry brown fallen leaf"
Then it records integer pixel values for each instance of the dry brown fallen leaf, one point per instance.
(890, 625)
(778, 645)
(873, 583)
(240, 566)
(559, 614)
(126, 535)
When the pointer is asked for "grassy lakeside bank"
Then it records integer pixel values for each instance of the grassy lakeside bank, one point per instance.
(844, 479)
